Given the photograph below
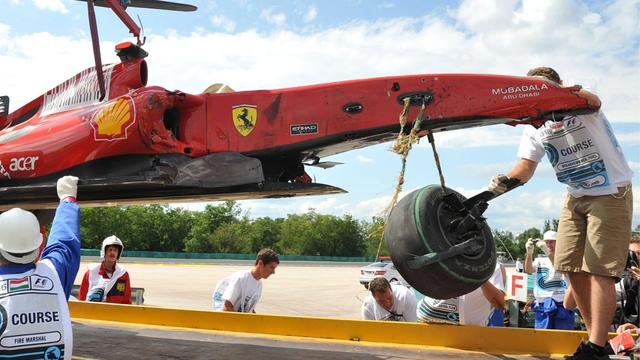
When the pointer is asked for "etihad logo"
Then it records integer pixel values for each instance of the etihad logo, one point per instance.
(112, 121)
(244, 118)
(519, 89)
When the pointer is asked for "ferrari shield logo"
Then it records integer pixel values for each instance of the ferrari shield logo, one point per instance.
(244, 118)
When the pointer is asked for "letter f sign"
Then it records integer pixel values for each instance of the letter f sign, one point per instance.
(516, 283)
(517, 286)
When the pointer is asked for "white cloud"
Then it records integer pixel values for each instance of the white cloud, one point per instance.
(51, 5)
(364, 159)
(311, 14)
(223, 22)
(521, 209)
(482, 16)
(277, 19)
(487, 171)
(497, 135)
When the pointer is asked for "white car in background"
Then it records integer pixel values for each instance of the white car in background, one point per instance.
(384, 267)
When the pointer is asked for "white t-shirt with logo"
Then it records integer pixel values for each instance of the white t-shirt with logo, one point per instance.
(439, 311)
(470, 309)
(548, 282)
(241, 289)
(403, 308)
(583, 151)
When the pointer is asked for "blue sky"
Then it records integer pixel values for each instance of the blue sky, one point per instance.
(272, 44)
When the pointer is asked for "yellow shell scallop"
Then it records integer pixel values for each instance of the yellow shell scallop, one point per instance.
(111, 119)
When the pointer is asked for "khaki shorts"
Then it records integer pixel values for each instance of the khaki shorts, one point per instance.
(594, 233)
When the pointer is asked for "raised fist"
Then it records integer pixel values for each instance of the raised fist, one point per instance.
(67, 186)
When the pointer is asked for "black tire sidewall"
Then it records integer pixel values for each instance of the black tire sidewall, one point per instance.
(446, 279)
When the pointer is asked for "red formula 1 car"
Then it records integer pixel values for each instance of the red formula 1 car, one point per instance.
(147, 142)
(150, 144)
(132, 143)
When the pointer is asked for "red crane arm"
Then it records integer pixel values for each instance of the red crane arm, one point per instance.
(124, 17)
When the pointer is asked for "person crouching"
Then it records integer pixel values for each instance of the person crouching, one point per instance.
(389, 302)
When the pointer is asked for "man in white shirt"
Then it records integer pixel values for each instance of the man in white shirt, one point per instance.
(389, 302)
(549, 287)
(241, 291)
(474, 308)
(595, 222)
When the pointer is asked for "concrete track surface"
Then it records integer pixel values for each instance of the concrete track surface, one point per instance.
(325, 290)
(106, 341)
(297, 288)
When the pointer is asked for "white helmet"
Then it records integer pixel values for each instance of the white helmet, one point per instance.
(20, 236)
(111, 240)
(550, 235)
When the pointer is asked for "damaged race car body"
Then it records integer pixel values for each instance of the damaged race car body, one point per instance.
(149, 144)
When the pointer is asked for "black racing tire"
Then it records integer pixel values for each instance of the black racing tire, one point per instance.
(418, 225)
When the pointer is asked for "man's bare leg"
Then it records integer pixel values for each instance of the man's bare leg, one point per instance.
(581, 287)
(603, 298)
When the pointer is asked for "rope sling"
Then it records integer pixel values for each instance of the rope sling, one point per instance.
(402, 146)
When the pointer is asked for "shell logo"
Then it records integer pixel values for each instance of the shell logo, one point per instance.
(112, 121)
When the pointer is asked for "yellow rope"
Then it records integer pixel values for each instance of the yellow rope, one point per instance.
(436, 158)
(402, 146)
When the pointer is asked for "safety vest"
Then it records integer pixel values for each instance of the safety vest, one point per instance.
(100, 286)
(34, 315)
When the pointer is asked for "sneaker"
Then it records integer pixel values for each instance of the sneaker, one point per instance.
(586, 352)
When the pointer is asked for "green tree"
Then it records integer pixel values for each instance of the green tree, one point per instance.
(326, 235)
(207, 221)
(550, 225)
(374, 237)
(153, 227)
(521, 239)
(505, 242)
(229, 238)
(262, 233)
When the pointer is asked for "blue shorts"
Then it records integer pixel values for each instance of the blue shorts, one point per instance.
(497, 318)
(551, 314)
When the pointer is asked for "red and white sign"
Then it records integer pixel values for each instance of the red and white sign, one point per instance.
(517, 285)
